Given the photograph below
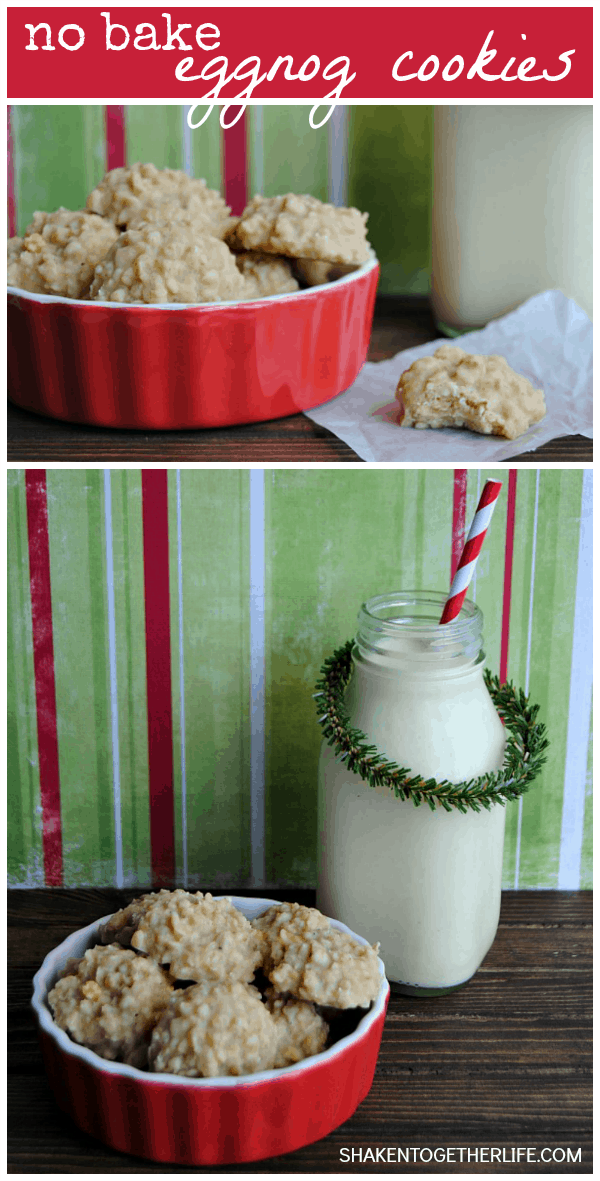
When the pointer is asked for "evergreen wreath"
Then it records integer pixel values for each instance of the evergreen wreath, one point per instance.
(524, 756)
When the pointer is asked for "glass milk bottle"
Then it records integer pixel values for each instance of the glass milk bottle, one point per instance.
(425, 883)
(512, 209)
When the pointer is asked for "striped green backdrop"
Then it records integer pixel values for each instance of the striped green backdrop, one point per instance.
(378, 158)
(266, 571)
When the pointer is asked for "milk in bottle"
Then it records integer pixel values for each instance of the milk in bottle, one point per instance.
(425, 883)
(512, 209)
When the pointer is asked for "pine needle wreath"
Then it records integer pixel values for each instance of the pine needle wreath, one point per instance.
(524, 757)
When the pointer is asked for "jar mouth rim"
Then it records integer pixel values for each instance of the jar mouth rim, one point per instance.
(430, 605)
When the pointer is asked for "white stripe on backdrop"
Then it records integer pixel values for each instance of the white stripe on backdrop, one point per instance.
(112, 660)
(257, 677)
(186, 135)
(338, 156)
(580, 704)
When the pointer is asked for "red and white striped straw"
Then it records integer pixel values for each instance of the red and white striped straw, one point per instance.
(471, 551)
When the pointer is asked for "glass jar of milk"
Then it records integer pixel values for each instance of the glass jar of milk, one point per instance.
(425, 883)
(512, 209)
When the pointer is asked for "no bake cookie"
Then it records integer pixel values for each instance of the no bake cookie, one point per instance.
(301, 227)
(58, 252)
(110, 1001)
(454, 388)
(155, 265)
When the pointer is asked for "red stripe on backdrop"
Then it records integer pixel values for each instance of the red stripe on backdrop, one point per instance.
(115, 137)
(508, 565)
(158, 674)
(235, 163)
(459, 509)
(43, 664)
(10, 181)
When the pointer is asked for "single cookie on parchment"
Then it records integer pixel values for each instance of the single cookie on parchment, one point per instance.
(454, 388)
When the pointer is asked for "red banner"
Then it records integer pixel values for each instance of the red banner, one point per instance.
(200, 55)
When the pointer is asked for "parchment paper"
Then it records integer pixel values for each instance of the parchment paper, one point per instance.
(548, 340)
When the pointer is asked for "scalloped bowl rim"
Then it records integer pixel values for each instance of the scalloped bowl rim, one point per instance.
(46, 975)
(307, 292)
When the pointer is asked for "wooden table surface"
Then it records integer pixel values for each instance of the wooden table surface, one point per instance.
(399, 324)
(504, 1063)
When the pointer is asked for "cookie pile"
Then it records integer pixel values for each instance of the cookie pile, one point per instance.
(184, 984)
(152, 235)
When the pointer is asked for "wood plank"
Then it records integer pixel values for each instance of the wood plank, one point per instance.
(31, 908)
(519, 907)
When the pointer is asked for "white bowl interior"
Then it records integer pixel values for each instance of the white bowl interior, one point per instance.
(305, 293)
(77, 943)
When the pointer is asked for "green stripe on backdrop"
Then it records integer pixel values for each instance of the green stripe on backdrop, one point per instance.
(154, 135)
(59, 156)
(587, 862)
(286, 154)
(553, 613)
(78, 576)
(334, 540)
(207, 149)
(24, 852)
(214, 514)
(390, 175)
(130, 644)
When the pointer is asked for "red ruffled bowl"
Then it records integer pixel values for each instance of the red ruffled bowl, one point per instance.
(174, 366)
(205, 1121)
